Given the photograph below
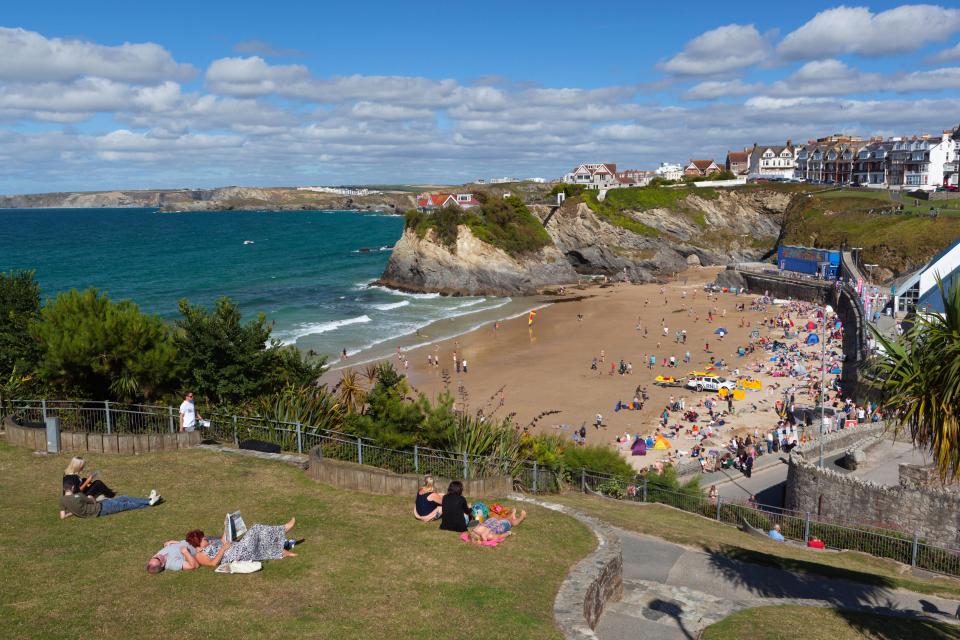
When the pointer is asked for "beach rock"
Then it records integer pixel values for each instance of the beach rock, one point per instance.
(474, 268)
(854, 458)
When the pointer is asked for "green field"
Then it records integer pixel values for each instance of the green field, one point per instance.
(789, 622)
(368, 569)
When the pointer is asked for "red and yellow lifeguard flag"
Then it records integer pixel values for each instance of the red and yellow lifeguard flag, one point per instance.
(530, 319)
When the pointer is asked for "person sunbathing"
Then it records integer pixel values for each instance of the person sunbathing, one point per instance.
(496, 529)
(260, 542)
(74, 503)
(427, 506)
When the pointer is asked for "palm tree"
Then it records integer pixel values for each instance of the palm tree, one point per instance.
(370, 373)
(918, 377)
(350, 392)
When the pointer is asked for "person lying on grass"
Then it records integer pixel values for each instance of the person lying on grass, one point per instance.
(427, 506)
(74, 503)
(261, 542)
(496, 529)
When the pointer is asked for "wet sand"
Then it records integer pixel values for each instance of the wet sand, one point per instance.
(546, 367)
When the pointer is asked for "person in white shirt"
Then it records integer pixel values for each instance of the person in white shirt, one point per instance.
(188, 413)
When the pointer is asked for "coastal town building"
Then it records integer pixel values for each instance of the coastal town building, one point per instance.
(919, 162)
(342, 191)
(635, 177)
(738, 162)
(594, 176)
(431, 201)
(919, 290)
(669, 171)
(701, 168)
(773, 161)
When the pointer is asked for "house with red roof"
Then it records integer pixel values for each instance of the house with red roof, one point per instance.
(738, 162)
(431, 201)
(601, 175)
(701, 168)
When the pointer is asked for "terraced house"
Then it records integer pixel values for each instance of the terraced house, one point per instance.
(773, 161)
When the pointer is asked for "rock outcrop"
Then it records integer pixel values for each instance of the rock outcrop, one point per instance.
(735, 226)
(473, 268)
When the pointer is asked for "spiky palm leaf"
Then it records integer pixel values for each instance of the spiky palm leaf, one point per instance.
(351, 392)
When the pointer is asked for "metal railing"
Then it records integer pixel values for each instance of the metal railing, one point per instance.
(909, 549)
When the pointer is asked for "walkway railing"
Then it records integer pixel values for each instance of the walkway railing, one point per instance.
(112, 417)
(800, 527)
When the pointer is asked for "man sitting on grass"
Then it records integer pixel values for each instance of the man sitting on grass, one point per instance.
(74, 503)
(775, 533)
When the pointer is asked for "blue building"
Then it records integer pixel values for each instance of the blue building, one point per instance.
(824, 263)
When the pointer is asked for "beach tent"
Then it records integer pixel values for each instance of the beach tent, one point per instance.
(811, 325)
(720, 330)
(799, 370)
(661, 444)
(813, 339)
(649, 441)
(639, 447)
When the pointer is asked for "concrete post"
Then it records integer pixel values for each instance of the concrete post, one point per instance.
(299, 439)
(465, 466)
(583, 480)
(916, 548)
(43, 409)
(170, 413)
(644, 489)
(719, 505)
(106, 408)
(806, 528)
(359, 450)
(236, 437)
(534, 476)
(416, 459)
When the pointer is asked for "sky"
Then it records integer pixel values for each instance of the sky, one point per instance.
(122, 95)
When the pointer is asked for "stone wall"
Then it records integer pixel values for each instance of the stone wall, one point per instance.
(915, 476)
(357, 477)
(859, 437)
(592, 583)
(933, 514)
(80, 441)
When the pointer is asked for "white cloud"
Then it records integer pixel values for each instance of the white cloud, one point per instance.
(934, 80)
(721, 50)
(27, 55)
(712, 89)
(826, 78)
(857, 30)
(947, 55)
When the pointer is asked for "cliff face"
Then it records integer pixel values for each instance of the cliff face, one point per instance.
(733, 226)
(474, 268)
(220, 199)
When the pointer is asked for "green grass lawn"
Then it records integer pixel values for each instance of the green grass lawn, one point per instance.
(695, 531)
(789, 622)
(367, 569)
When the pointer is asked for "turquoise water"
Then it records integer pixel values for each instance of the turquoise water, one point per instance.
(303, 269)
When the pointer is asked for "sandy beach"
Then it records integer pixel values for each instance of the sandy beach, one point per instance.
(546, 367)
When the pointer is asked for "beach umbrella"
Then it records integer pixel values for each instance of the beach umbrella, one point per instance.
(720, 330)
(811, 325)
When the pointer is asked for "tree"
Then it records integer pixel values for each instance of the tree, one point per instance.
(97, 349)
(225, 360)
(918, 377)
(19, 306)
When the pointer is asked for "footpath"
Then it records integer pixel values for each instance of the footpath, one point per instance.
(673, 593)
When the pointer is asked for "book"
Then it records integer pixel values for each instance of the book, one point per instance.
(233, 526)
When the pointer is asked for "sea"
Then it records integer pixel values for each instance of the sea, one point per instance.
(309, 272)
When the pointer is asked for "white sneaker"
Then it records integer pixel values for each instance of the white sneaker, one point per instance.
(154, 497)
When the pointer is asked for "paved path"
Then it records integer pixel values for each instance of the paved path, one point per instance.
(673, 593)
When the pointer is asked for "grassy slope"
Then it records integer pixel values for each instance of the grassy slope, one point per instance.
(618, 203)
(691, 530)
(368, 569)
(781, 623)
(897, 242)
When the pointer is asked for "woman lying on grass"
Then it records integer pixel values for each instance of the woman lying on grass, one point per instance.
(260, 542)
(496, 529)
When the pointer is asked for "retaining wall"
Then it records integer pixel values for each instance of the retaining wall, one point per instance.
(80, 441)
(357, 477)
(933, 514)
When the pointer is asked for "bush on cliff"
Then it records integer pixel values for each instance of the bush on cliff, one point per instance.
(505, 223)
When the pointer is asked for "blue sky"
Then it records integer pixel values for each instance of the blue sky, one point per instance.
(123, 95)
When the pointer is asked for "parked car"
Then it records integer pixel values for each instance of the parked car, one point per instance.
(709, 382)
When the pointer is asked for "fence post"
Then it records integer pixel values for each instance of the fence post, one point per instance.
(359, 450)
(644, 488)
(465, 463)
(583, 480)
(43, 409)
(416, 458)
(719, 504)
(916, 545)
(806, 528)
(299, 439)
(170, 412)
(535, 476)
(236, 437)
(106, 406)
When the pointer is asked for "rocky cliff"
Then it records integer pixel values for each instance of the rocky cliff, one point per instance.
(730, 225)
(220, 199)
(472, 267)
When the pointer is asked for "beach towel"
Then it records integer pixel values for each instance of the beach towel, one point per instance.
(240, 566)
(487, 543)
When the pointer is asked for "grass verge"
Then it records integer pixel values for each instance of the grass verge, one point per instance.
(784, 623)
(695, 531)
(367, 569)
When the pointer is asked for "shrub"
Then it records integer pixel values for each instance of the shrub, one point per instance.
(600, 459)
(19, 306)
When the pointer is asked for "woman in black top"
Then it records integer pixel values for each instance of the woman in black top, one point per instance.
(95, 488)
(456, 511)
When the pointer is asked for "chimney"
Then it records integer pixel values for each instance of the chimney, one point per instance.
(789, 142)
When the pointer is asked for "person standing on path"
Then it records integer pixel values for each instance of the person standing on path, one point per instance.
(188, 413)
